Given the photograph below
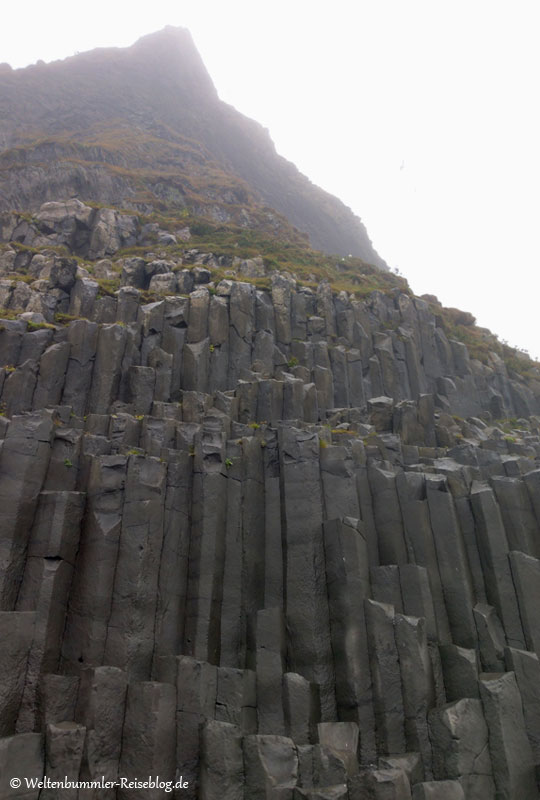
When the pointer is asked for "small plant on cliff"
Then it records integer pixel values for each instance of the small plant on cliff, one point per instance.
(40, 326)
(108, 286)
(10, 313)
(65, 318)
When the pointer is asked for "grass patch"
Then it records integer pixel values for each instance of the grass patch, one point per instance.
(40, 326)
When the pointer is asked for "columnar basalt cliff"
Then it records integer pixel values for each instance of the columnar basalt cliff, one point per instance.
(268, 539)
(260, 535)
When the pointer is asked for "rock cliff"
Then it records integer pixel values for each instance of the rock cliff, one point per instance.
(269, 523)
(143, 128)
(263, 535)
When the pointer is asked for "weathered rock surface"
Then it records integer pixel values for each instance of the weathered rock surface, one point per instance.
(246, 539)
(138, 128)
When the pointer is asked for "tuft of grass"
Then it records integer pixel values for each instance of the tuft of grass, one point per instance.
(64, 319)
(21, 277)
(108, 286)
(10, 313)
(40, 326)
(481, 342)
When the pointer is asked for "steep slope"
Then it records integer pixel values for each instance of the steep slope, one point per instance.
(258, 537)
(269, 523)
(143, 128)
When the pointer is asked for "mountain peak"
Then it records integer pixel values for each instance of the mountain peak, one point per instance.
(173, 50)
(143, 127)
(173, 35)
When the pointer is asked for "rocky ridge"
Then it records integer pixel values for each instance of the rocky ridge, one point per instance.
(142, 128)
(267, 536)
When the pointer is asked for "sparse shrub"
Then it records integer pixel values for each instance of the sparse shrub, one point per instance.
(64, 319)
(39, 326)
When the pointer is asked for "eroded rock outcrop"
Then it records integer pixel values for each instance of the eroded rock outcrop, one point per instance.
(270, 540)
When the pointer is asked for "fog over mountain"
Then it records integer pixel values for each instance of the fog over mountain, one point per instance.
(143, 125)
(269, 521)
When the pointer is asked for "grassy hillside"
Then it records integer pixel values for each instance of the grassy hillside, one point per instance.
(143, 127)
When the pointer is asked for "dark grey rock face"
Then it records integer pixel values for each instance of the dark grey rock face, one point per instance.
(227, 558)
(511, 754)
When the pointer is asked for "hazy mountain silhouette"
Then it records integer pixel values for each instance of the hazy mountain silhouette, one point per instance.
(143, 127)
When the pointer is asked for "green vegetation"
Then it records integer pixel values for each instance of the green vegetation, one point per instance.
(481, 342)
(10, 313)
(65, 319)
(108, 286)
(18, 276)
(39, 326)
(283, 249)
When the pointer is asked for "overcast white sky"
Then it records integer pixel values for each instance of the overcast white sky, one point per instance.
(422, 115)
